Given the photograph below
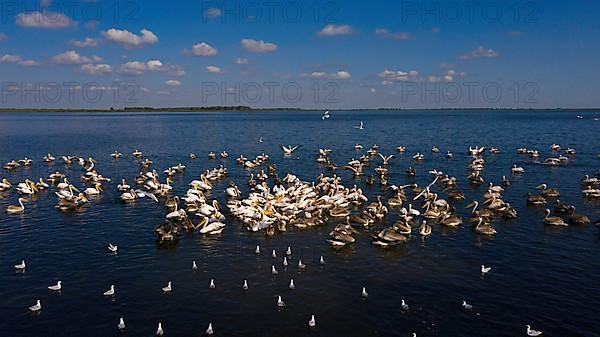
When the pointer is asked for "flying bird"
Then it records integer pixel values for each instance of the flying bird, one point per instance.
(289, 150)
(361, 126)
(326, 115)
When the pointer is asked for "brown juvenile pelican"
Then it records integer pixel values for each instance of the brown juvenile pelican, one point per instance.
(548, 192)
(535, 199)
(578, 219)
(553, 220)
(561, 208)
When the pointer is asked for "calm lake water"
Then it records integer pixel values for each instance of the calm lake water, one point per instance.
(542, 276)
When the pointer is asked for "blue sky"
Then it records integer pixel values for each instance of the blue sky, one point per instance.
(326, 54)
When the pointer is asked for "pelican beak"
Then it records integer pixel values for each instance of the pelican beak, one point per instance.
(100, 189)
(75, 188)
(487, 201)
(542, 186)
(470, 205)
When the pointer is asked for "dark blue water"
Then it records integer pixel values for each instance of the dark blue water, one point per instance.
(543, 276)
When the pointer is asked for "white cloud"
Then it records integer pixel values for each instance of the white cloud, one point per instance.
(3, 37)
(479, 52)
(72, 57)
(158, 66)
(241, 61)
(14, 59)
(96, 69)
(213, 69)
(128, 39)
(448, 76)
(212, 13)
(204, 49)
(255, 46)
(390, 76)
(400, 36)
(339, 75)
(45, 19)
(173, 83)
(373, 90)
(133, 68)
(87, 43)
(335, 30)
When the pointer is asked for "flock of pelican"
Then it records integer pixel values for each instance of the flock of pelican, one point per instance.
(278, 202)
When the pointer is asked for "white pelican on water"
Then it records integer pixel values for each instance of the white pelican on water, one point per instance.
(361, 126)
(517, 170)
(14, 209)
(289, 150)
(326, 115)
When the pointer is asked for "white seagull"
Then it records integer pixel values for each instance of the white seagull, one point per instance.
(301, 265)
(167, 288)
(292, 286)
(312, 321)
(110, 292)
(257, 250)
(365, 294)
(274, 271)
(273, 254)
(159, 330)
(209, 331)
(530, 331)
(20, 266)
(466, 305)
(245, 286)
(485, 270)
(112, 247)
(36, 307)
(404, 306)
(289, 251)
(121, 325)
(285, 263)
(194, 265)
(322, 260)
(280, 302)
(212, 284)
(56, 287)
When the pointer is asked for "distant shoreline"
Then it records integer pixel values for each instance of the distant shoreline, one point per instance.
(250, 109)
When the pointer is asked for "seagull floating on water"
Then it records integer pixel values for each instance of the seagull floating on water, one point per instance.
(36, 307)
(365, 294)
(167, 288)
(159, 330)
(111, 291)
(245, 286)
(312, 321)
(292, 286)
(485, 270)
(530, 331)
(112, 247)
(289, 251)
(404, 306)
(285, 263)
(209, 331)
(194, 266)
(273, 254)
(212, 284)
(257, 250)
(466, 305)
(301, 265)
(56, 287)
(322, 260)
(280, 302)
(121, 325)
(273, 270)
(20, 266)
